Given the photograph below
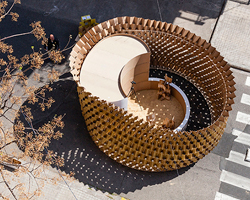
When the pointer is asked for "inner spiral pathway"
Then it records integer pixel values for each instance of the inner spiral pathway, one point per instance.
(199, 112)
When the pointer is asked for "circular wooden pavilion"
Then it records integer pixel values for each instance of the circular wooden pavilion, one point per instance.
(136, 45)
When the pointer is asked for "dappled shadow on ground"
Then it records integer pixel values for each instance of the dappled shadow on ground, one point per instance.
(25, 44)
(90, 164)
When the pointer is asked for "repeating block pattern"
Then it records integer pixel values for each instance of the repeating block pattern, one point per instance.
(135, 143)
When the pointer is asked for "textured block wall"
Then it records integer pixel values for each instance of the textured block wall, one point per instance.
(134, 143)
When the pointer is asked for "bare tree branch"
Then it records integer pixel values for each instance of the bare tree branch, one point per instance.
(16, 35)
(3, 16)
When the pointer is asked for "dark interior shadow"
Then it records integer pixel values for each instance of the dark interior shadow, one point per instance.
(90, 164)
(199, 111)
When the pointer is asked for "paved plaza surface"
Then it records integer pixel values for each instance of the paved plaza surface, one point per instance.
(231, 36)
(222, 174)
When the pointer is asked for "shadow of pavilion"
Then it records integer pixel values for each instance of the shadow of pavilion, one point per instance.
(90, 164)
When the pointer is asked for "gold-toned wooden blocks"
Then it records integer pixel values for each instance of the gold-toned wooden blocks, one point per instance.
(135, 143)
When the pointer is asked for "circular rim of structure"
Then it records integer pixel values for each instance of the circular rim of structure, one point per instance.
(184, 122)
(128, 140)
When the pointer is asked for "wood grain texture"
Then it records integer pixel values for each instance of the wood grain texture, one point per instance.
(135, 143)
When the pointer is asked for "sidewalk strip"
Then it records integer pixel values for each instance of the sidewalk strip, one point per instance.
(221, 196)
(235, 180)
(243, 118)
(238, 158)
(245, 99)
(248, 81)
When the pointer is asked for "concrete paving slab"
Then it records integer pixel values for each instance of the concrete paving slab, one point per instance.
(242, 1)
(185, 185)
(231, 37)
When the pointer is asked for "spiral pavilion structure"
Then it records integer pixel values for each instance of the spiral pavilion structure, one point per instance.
(114, 53)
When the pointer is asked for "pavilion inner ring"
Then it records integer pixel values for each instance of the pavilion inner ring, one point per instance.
(116, 61)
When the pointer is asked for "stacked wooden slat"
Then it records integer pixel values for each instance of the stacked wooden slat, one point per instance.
(135, 143)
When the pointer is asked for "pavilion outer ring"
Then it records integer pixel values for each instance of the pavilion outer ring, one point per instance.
(135, 143)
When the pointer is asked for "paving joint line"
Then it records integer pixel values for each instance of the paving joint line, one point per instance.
(220, 13)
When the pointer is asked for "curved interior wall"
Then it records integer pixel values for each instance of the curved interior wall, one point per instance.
(137, 69)
(134, 143)
(179, 95)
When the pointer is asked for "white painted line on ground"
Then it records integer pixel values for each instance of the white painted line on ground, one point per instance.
(248, 81)
(245, 99)
(238, 158)
(243, 118)
(236, 132)
(221, 196)
(243, 138)
(235, 180)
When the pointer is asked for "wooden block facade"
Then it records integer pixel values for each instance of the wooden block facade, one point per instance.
(135, 143)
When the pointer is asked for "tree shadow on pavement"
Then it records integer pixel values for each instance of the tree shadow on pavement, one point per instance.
(25, 44)
(90, 164)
